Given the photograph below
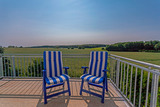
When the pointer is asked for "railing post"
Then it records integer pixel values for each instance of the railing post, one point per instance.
(13, 62)
(154, 90)
(117, 73)
(1, 66)
(110, 68)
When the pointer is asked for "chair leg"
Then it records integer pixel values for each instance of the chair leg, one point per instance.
(44, 90)
(106, 85)
(68, 88)
(103, 91)
(81, 87)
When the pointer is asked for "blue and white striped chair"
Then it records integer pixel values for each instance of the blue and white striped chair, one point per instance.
(96, 73)
(53, 73)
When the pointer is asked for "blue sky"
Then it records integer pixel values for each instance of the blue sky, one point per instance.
(67, 22)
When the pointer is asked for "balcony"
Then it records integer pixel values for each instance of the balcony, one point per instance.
(131, 82)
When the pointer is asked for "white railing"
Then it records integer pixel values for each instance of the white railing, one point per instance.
(137, 81)
(31, 65)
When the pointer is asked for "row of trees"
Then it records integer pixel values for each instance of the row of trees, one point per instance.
(15, 46)
(72, 46)
(135, 46)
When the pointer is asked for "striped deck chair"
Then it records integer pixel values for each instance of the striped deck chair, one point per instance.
(53, 73)
(96, 73)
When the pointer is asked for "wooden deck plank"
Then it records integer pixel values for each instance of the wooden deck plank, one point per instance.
(28, 93)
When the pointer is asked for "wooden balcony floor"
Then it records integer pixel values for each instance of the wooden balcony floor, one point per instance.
(28, 93)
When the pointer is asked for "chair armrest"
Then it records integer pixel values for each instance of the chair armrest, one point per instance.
(66, 72)
(105, 72)
(66, 67)
(83, 67)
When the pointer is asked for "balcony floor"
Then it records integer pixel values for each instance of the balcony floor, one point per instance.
(28, 93)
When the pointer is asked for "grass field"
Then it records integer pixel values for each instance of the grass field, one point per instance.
(40, 50)
(149, 57)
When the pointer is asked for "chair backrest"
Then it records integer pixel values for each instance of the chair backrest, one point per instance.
(98, 62)
(53, 63)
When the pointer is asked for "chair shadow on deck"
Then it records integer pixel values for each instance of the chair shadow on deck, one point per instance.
(29, 92)
(109, 101)
(93, 101)
(75, 100)
(57, 101)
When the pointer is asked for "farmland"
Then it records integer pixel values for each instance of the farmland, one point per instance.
(150, 57)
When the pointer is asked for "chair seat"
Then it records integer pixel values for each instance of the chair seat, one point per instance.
(92, 79)
(57, 80)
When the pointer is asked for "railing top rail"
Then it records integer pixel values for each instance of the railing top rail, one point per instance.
(42, 54)
(20, 54)
(133, 60)
(141, 67)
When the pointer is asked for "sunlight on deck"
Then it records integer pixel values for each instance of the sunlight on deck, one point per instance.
(28, 93)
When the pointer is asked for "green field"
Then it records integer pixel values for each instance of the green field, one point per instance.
(149, 57)
(40, 50)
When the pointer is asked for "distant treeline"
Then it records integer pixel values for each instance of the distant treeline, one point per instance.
(73, 46)
(135, 46)
(15, 47)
